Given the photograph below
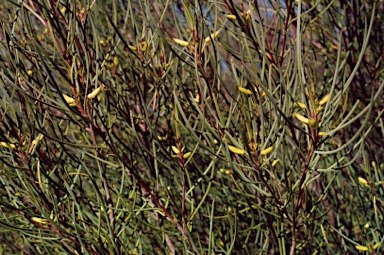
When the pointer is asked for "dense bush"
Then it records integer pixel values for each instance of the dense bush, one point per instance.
(191, 127)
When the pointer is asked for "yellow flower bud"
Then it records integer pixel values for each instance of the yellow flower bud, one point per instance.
(361, 248)
(133, 48)
(175, 149)
(231, 16)
(115, 61)
(162, 138)
(144, 46)
(363, 181)
(181, 42)
(39, 220)
(301, 118)
(187, 155)
(69, 100)
(236, 150)
(94, 93)
(244, 90)
(324, 99)
(266, 151)
(301, 105)
(213, 36)
(38, 138)
(7, 145)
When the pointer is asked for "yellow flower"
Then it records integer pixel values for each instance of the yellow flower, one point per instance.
(274, 163)
(231, 16)
(39, 220)
(94, 93)
(301, 105)
(301, 118)
(175, 149)
(244, 90)
(69, 100)
(144, 46)
(213, 36)
(324, 99)
(266, 151)
(181, 42)
(7, 145)
(38, 138)
(363, 182)
(187, 155)
(361, 248)
(133, 48)
(236, 150)
(115, 61)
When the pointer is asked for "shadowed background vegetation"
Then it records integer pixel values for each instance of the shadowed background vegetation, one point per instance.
(191, 127)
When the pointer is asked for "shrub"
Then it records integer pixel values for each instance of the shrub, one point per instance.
(139, 127)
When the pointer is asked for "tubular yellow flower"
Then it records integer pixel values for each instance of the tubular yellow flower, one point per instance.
(133, 48)
(115, 61)
(39, 220)
(38, 138)
(225, 171)
(363, 181)
(301, 105)
(361, 248)
(324, 99)
(231, 16)
(69, 100)
(266, 151)
(181, 42)
(301, 118)
(376, 245)
(162, 138)
(187, 155)
(244, 90)
(213, 36)
(236, 150)
(144, 46)
(322, 133)
(175, 149)
(274, 163)
(94, 93)
(7, 145)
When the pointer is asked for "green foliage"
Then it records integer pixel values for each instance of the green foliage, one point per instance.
(191, 127)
